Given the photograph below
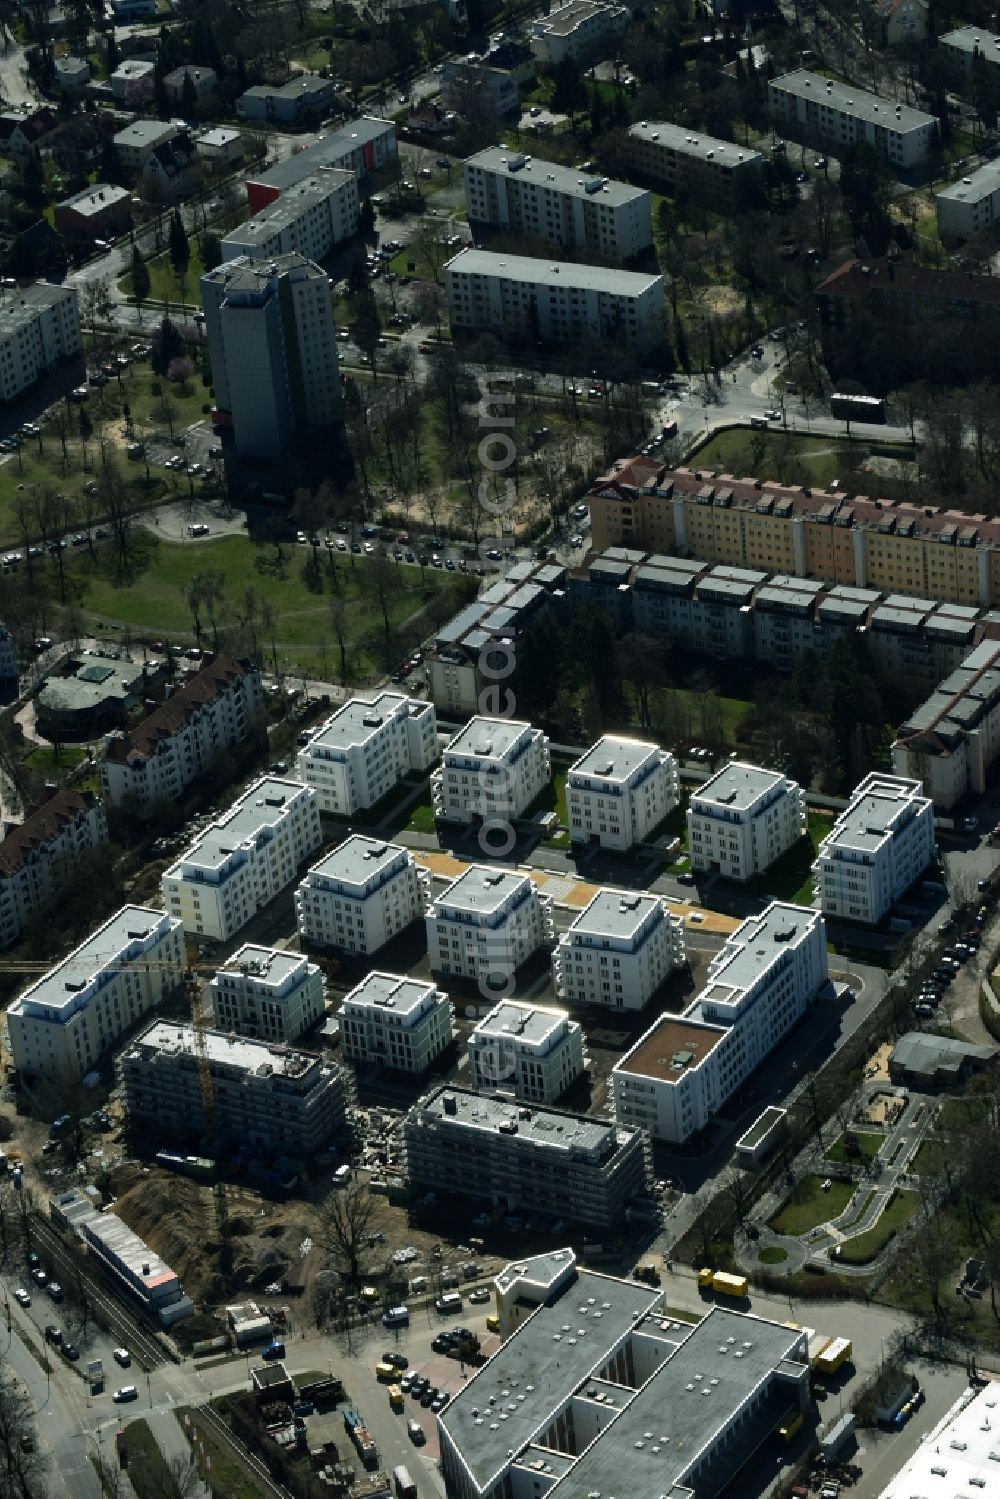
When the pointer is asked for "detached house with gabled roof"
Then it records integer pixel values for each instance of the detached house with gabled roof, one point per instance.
(22, 131)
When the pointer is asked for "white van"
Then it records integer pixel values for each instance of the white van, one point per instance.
(448, 1301)
(396, 1316)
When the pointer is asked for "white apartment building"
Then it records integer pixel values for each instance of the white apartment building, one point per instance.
(618, 951)
(493, 769)
(218, 706)
(268, 993)
(309, 219)
(742, 819)
(529, 1050)
(359, 896)
(391, 1021)
(559, 302)
(619, 791)
(273, 346)
(877, 848)
(680, 1073)
(486, 924)
(366, 748)
(674, 156)
(963, 45)
(244, 859)
(38, 858)
(570, 209)
(970, 205)
(838, 115)
(576, 30)
(62, 1025)
(39, 328)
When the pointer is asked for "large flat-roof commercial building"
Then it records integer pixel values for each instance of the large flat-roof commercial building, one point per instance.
(362, 146)
(618, 951)
(958, 1456)
(243, 859)
(360, 895)
(971, 205)
(876, 849)
(570, 209)
(494, 768)
(39, 857)
(760, 983)
(561, 302)
(576, 30)
(273, 345)
(311, 219)
(391, 1021)
(605, 1393)
(673, 157)
(486, 924)
(619, 792)
(267, 993)
(264, 1097)
(572, 1165)
(839, 115)
(967, 44)
(39, 329)
(217, 707)
(744, 818)
(529, 1050)
(366, 748)
(952, 739)
(62, 1025)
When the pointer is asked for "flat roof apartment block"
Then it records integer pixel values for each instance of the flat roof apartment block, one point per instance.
(310, 218)
(521, 194)
(572, 1165)
(619, 792)
(361, 146)
(618, 951)
(673, 156)
(39, 329)
(528, 1050)
(267, 993)
(360, 895)
(391, 1021)
(577, 30)
(558, 302)
(137, 140)
(486, 924)
(966, 43)
(876, 849)
(744, 818)
(288, 102)
(952, 739)
(493, 769)
(970, 205)
(643, 1404)
(244, 859)
(264, 1097)
(62, 1025)
(839, 115)
(365, 749)
(762, 981)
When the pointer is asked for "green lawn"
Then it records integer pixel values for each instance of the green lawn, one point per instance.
(164, 284)
(229, 1477)
(148, 1472)
(809, 1205)
(682, 713)
(929, 1159)
(51, 761)
(772, 1255)
(867, 1246)
(775, 454)
(866, 1147)
(960, 1113)
(422, 815)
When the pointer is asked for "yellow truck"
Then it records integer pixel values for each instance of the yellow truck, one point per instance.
(817, 1343)
(722, 1283)
(836, 1352)
(790, 1423)
(396, 1397)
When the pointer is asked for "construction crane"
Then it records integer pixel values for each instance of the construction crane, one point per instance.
(192, 985)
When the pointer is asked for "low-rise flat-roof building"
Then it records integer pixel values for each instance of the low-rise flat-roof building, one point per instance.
(264, 1097)
(838, 115)
(90, 691)
(286, 103)
(618, 951)
(643, 1404)
(963, 1445)
(462, 80)
(673, 156)
(570, 1165)
(524, 195)
(38, 858)
(202, 80)
(137, 140)
(242, 860)
(971, 205)
(133, 82)
(529, 1050)
(556, 302)
(619, 792)
(72, 73)
(577, 29)
(359, 896)
(761, 982)
(312, 217)
(391, 1021)
(493, 769)
(61, 1026)
(138, 1267)
(486, 924)
(876, 849)
(967, 43)
(222, 146)
(922, 1060)
(744, 818)
(267, 993)
(96, 212)
(365, 749)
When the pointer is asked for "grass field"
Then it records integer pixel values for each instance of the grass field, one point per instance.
(772, 1255)
(868, 1147)
(929, 1159)
(960, 1113)
(422, 815)
(791, 877)
(228, 1476)
(868, 1246)
(810, 1206)
(164, 284)
(778, 455)
(148, 1472)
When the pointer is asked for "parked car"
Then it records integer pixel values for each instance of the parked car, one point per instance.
(21, 1297)
(122, 1356)
(125, 1394)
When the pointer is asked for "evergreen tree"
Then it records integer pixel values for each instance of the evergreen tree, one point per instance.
(111, 56)
(167, 345)
(140, 276)
(189, 97)
(210, 246)
(597, 109)
(177, 244)
(111, 168)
